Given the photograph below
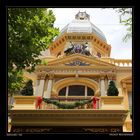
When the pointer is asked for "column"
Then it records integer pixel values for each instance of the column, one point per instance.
(40, 88)
(85, 91)
(102, 86)
(49, 89)
(125, 96)
(126, 101)
(49, 86)
(106, 85)
(67, 91)
(109, 81)
(40, 84)
(85, 106)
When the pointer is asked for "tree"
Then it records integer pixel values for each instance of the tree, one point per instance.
(28, 89)
(15, 81)
(126, 19)
(112, 90)
(30, 31)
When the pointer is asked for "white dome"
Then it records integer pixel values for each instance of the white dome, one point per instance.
(83, 25)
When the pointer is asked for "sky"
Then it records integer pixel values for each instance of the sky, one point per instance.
(107, 20)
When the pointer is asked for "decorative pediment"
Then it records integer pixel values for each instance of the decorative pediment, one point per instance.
(78, 60)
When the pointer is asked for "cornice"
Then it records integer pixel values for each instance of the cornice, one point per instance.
(45, 116)
(123, 69)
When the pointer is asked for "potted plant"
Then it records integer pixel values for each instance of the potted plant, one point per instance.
(112, 100)
(112, 90)
(28, 89)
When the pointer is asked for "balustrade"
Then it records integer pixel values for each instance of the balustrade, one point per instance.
(123, 63)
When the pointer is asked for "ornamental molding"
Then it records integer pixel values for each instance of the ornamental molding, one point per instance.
(50, 75)
(69, 116)
(41, 75)
(69, 113)
(50, 71)
(62, 69)
(77, 62)
(92, 60)
(124, 69)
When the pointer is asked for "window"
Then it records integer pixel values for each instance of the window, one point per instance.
(88, 37)
(78, 37)
(62, 92)
(90, 92)
(69, 37)
(76, 90)
(74, 37)
(83, 37)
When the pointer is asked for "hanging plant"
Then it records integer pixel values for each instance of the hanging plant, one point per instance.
(67, 105)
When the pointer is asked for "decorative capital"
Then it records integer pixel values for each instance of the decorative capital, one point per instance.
(102, 76)
(41, 75)
(124, 85)
(114, 78)
(110, 76)
(50, 75)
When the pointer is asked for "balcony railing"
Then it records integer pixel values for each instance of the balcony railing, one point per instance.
(119, 62)
(123, 63)
(104, 103)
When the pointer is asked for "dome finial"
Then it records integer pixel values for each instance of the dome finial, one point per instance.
(82, 16)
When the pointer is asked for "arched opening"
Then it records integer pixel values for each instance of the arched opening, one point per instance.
(76, 90)
(62, 92)
(87, 86)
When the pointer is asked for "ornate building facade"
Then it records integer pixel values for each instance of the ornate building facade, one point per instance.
(77, 66)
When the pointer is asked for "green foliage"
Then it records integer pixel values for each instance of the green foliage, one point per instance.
(126, 19)
(28, 89)
(67, 105)
(15, 81)
(30, 31)
(44, 62)
(112, 90)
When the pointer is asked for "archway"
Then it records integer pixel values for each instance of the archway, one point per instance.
(76, 90)
(91, 84)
